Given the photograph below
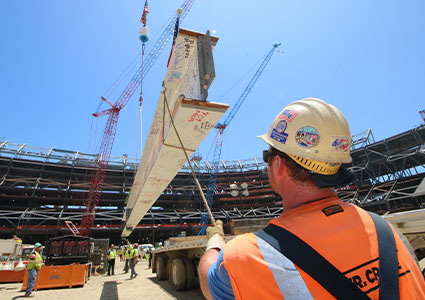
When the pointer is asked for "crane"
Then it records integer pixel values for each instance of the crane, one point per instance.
(219, 140)
(98, 174)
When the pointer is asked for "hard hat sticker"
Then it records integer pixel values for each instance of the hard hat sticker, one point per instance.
(278, 133)
(307, 137)
(281, 126)
(340, 143)
(288, 115)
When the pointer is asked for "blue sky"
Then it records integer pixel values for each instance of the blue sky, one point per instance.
(58, 57)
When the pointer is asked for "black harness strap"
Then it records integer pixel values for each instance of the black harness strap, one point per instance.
(388, 261)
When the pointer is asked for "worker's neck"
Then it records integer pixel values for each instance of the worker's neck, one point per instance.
(299, 196)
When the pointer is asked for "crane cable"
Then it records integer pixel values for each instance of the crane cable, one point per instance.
(242, 77)
(144, 37)
(139, 131)
(188, 161)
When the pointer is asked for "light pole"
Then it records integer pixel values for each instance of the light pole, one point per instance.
(239, 191)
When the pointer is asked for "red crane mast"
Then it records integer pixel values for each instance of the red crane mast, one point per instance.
(97, 177)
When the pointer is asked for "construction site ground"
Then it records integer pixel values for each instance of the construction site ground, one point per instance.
(118, 286)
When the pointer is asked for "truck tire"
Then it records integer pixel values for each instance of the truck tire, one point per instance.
(191, 280)
(178, 274)
(161, 268)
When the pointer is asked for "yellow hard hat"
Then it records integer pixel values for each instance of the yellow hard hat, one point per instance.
(315, 134)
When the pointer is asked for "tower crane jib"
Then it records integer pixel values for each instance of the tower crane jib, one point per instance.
(250, 85)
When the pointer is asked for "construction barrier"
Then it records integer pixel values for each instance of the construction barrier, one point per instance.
(59, 276)
(12, 276)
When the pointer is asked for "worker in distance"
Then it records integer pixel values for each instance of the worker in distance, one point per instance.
(35, 263)
(319, 247)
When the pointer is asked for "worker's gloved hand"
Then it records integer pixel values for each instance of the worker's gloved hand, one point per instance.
(217, 229)
(215, 235)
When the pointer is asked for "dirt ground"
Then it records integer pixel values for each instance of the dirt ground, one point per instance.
(119, 286)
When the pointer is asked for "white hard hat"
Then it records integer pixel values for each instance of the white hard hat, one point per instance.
(313, 133)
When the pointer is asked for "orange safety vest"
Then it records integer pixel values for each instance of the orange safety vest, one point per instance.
(342, 233)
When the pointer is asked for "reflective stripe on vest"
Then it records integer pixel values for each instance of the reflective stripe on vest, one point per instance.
(287, 277)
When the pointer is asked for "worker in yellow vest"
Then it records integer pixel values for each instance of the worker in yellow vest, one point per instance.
(134, 258)
(121, 254)
(34, 265)
(112, 254)
(127, 252)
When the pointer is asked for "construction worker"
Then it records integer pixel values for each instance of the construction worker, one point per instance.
(120, 254)
(149, 256)
(127, 253)
(319, 247)
(112, 255)
(35, 263)
(134, 258)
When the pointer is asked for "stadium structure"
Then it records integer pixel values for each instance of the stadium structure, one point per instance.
(42, 188)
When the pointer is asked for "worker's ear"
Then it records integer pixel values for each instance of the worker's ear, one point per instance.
(279, 165)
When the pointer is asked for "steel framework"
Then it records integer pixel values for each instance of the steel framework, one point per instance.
(41, 188)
